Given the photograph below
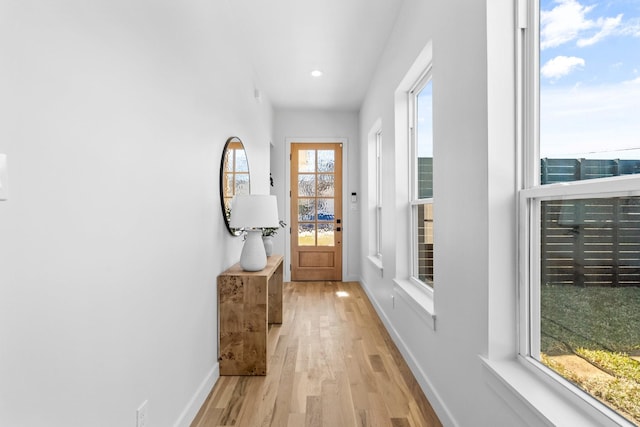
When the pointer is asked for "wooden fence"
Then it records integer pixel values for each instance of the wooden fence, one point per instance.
(590, 242)
(586, 242)
(425, 220)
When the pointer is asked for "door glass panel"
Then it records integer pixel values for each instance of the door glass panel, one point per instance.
(228, 185)
(306, 234)
(307, 161)
(325, 210)
(242, 183)
(307, 185)
(228, 160)
(306, 209)
(325, 234)
(326, 160)
(242, 165)
(326, 185)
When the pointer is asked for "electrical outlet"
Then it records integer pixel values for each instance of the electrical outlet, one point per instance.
(142, 415)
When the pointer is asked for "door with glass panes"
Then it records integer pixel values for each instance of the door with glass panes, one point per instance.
(316, 211)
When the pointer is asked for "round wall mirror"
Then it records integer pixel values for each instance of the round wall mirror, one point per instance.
(234, 177)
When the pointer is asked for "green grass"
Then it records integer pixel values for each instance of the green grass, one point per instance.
(594, 318)
(619, 365)
(619, 393)
(601, 325)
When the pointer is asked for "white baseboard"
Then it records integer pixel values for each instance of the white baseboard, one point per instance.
(195, 403)
(425, 384)
(351, 278)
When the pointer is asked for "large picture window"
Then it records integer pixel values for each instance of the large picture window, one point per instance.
(580, 205)
(421, 124)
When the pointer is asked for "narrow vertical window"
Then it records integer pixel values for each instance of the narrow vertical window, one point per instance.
(378, 214)
(374, 186)
(421, 123)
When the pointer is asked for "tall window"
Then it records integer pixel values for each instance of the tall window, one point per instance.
(581, 201)
(378, 230)
(374, 185)
(421, 124)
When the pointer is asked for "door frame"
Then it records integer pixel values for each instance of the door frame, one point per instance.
(346, 223)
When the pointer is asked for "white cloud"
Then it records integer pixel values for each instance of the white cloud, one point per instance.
(563, 23)
(568, 21)
(561, 66)
(630, 28)
(635, 81)
(607, 26)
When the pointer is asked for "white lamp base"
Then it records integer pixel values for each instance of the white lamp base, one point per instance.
(253, 256)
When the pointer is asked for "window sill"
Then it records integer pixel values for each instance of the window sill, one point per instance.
(377, 262)
(535, 396)
(420, 300)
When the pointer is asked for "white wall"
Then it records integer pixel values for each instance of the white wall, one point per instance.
(319, 125)
(113, 114)
(470, 200)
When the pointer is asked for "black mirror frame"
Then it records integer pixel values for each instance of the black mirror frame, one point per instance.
(225, 212)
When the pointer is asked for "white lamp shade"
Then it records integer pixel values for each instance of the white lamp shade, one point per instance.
(254, 211)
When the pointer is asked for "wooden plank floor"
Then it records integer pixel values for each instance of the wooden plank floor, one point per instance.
(331, 363)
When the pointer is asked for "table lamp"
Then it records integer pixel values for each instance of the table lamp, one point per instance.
(251, 213)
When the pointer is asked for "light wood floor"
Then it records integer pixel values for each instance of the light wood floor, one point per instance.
(331, 363)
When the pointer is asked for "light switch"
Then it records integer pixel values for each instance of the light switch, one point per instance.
(4, 184)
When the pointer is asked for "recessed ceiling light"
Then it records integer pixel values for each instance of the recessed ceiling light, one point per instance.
(316, 73)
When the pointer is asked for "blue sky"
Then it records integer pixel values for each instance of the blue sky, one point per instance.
(590, 78)
(425, 121)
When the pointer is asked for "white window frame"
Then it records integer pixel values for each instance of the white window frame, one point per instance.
(415, 202)
(374, 138)
(529, 287)
(378, 208)
(417, 296)
(530, 195)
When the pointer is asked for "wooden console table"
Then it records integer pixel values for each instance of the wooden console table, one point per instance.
(247, 303)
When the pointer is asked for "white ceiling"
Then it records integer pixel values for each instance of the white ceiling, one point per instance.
(287, 39)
